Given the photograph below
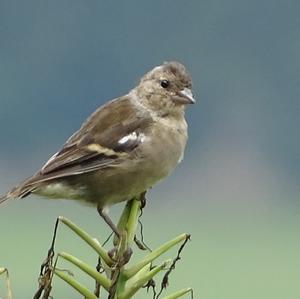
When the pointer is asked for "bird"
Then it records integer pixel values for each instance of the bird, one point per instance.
(124, 147)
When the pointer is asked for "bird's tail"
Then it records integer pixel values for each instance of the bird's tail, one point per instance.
(19, 191)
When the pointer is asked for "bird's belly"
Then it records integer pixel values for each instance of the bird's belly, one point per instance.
(61, 189)
(121, 182)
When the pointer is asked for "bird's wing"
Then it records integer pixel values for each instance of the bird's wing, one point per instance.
(106, 138)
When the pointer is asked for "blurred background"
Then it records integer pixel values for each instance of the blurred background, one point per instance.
(237, 190)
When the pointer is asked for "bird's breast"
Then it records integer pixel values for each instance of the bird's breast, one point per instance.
(163, 148)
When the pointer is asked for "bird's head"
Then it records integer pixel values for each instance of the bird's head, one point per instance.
(166, 89)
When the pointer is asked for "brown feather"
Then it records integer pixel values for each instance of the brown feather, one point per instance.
(93, 147)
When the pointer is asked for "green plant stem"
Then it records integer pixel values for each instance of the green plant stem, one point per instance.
(132, 220)
(133, 288)
(179, 294)
(76, 285)
(102, 280)
(88, 239)
(130, 271)
(124, 281)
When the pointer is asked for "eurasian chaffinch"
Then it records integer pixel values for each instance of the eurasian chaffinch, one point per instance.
(123, 148)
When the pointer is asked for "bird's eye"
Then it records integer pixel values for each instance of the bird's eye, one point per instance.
(164, 83)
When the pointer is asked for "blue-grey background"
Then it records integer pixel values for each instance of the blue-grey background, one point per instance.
(237, 191)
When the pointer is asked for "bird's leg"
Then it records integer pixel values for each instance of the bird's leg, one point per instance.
(107, 219)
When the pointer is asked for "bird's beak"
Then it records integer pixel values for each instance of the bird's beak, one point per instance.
(187, 96)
